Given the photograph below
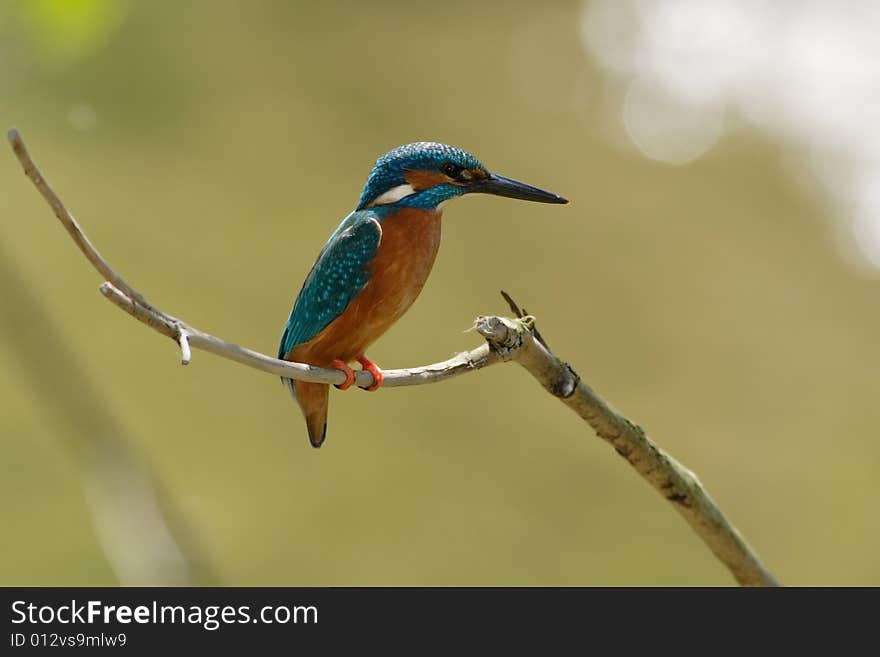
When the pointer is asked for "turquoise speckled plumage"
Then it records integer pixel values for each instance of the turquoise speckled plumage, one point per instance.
(336, 277)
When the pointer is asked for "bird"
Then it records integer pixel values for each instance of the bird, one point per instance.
(376, 262)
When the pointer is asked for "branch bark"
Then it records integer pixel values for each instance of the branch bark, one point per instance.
(506, 340)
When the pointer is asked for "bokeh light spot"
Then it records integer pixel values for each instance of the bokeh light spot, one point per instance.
(664, 129)
(66, 30)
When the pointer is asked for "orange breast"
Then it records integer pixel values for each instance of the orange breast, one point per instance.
(410, 239)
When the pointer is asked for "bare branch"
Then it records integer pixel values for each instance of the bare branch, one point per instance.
(506, 340)
(155, 319)
(67, 220)
(516, 340)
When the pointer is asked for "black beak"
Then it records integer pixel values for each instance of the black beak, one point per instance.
(501, 186)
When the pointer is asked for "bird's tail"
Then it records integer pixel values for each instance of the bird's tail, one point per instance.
(313, 399)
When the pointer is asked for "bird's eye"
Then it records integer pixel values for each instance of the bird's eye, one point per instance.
(451, 170)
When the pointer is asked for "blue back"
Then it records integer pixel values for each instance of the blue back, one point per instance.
(336, 278)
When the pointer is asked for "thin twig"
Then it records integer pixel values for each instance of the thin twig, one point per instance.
(506, 340)
(67, 220)
(185, 352)
(520, 314)
(154, 318)
(515, 339)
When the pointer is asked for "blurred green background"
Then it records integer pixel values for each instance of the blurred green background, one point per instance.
(209, 148)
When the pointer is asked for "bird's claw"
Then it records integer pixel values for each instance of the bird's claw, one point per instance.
(372, 368)
(345, 369)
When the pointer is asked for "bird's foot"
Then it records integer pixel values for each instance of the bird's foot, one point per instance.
(373, 369)
(345, 369)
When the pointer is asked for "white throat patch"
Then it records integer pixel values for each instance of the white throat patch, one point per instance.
(394, 194)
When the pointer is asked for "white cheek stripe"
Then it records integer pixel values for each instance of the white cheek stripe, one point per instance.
(394, 194)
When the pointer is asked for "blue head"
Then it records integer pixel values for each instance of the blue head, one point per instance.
(426, 174)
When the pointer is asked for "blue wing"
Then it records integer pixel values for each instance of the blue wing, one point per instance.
(336, 278)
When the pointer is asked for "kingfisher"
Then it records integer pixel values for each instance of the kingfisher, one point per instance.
(376, 262)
